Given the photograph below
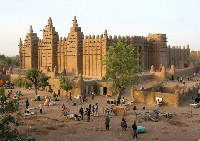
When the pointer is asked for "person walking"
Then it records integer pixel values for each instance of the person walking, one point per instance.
(59, 92)
(27, 104)
(93, 110)
(134, 126)
(81, 112)
(97, 110)
(90, 106)
(81, 99)
(54, 96)
(63, 108)
(67, 96)
(88, 114)
(123, 124)
(40, 108)
(107, 122)
(123, 100)
(70, 95)
(172, 77)
(93, 95)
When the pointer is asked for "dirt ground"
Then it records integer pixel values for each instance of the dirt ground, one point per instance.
(53, 126)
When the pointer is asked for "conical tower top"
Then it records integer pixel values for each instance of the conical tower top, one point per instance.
(49, 21)
(188, 47)
(75, 22)
(31, 29)
(105, 34)
(20, 42)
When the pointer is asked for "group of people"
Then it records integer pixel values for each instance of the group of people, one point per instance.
(123, 125)
(27, 105)
(179, 79)
(90, 109)
(55, 95)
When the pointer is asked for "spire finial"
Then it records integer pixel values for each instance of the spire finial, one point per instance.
(20, 42)
(75, 22)
(188, 47)
(31, 29)
(105, 32)
(49, 21)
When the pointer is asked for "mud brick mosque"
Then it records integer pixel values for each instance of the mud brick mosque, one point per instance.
(77, 53)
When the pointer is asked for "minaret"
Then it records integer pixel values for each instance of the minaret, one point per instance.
(20, 53)
(48, 47)
(74, 49)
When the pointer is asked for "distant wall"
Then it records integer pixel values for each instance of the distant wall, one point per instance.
(184, 72)
(145, 77)
(13, 77)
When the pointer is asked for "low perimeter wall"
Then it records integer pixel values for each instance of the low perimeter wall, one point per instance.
(174, 99)
(184, 72)
(149, 98)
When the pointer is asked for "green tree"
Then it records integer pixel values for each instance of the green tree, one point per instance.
(9, 122)
(122, 66)
(8, 60)
(37, 78)
(2, 58)
(5, 60)
(66, 83)
(21, 81)
(15, 60)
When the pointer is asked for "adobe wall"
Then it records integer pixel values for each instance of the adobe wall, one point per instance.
(55, 85)
(158, 75)
(188, 92)
(145, 78)
(176, 54)
(93, 49)
(107, 85)
(13, 77)
(173, 96)
(149, 98)
(184, 72)
(91, 85)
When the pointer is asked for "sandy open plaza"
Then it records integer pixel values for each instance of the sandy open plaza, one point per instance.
(52, 125)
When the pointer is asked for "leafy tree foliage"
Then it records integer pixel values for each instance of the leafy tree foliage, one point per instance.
(37, 78)
(15, 60)
(66, 83)
(8, 123)
(33, 77)
(122, 65)
(22, 82)
(5, 60)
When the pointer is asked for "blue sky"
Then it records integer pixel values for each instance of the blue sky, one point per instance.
(179, 19)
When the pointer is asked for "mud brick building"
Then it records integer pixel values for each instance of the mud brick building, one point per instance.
(77, 53)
